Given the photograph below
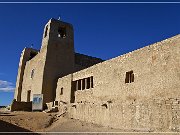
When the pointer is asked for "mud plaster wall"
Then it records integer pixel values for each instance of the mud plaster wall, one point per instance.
(142, 104)
(150, 115)
(34, 84)
(64, 84)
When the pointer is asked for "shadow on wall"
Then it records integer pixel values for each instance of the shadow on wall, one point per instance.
(8, 127)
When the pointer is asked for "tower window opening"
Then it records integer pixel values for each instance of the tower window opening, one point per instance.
(45, 34)
(32, 55)
(32, 73)
(62, 32)
(129, 77)
(61, 93)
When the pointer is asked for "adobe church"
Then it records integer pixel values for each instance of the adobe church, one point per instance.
(138, 91)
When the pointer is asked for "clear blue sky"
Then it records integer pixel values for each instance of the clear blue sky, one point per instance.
(101, 30)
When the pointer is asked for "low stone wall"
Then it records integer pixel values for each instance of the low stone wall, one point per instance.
(152, 115)
(21, 106)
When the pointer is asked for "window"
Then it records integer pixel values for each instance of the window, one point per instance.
(129, 77)
(62, 32)
(79, 84)
(45, 34)
(85, 83)
(32, 73)
(61, 93)
(32, 55)
(88, 83)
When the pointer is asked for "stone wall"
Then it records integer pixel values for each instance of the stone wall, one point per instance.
(150, 115)
(25, 56)
(21, 106)
(149, 102)
(155, 68)
(33, 81)
(63, 91)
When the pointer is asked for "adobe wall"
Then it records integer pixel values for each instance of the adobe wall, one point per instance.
(21, 106)
(156, 73)
(150, 103)
(35, 83)
(63, 91)
(85, 61)
(147, 115)
(25, 56)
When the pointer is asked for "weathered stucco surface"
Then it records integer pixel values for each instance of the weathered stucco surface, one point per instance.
(150, 103)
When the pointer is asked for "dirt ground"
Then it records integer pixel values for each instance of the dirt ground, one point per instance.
(52, 123)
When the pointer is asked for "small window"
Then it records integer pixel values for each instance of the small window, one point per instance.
(83, 84)
(45, 34)
(61, 93)
(129, 77)
(32, 74)
(88, 83)
(62, 32)
(79, 84)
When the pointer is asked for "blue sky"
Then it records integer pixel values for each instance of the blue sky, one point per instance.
(101, 30)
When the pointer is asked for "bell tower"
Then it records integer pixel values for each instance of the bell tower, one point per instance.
(58, 47)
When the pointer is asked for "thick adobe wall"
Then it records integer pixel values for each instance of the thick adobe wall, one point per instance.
(63, 91)
(26, 55)
(138, 90)
(33, 77)
(155, 69)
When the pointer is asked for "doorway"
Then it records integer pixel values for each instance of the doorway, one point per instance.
(28, 95)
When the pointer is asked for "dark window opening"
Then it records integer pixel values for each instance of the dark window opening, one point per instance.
(83, 84)
(74, 85)
(45, 34)
(62, 32)
(79, 84)
(32, 55)
(88, 83)
(32, 73)
(55, 103)
(129, 77)
(61, 93)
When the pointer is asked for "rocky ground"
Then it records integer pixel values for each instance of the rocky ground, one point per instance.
(52, 123)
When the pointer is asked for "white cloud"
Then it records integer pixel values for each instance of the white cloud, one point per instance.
(6, 86)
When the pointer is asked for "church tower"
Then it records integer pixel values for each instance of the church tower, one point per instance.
(39, 71)
(58, 44)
